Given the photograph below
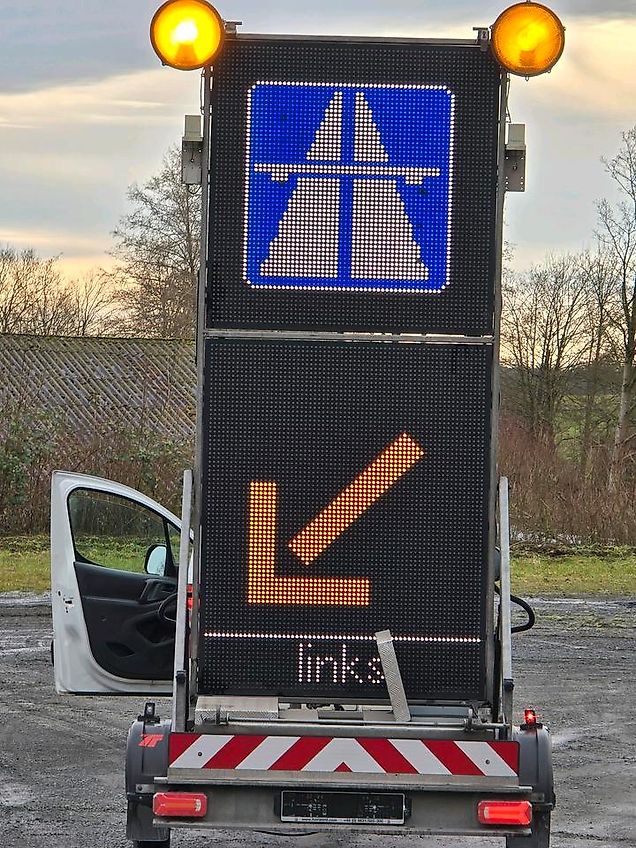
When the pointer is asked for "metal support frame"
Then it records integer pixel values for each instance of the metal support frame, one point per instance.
(495, 385)
(206, 82)
(350, 336)
(180, 678)
(507, 681)
(479, 41)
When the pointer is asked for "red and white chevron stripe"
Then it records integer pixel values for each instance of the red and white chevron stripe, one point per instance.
(330, 754)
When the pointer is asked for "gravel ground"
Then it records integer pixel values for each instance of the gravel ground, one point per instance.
(61, 758)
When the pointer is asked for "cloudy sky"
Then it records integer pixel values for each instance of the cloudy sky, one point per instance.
(86, 109)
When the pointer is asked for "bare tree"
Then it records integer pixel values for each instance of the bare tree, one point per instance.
(597, 274)
(94, 310)
(617, 231)
(544, 339)
(35, 299)
(30, 299)
(157, 245)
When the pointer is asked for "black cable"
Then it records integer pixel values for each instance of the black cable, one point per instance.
(292, 834)
(525, 606)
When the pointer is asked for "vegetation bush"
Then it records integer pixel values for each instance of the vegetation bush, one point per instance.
(32, 446)
(554, 500)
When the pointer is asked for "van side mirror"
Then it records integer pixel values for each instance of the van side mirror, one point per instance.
(155, 561)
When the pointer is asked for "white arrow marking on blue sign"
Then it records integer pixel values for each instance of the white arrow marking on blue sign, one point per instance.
(382, 242)
(367, 144)
(328, 141)
(301, 249)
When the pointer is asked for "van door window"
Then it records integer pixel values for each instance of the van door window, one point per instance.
(114, 532)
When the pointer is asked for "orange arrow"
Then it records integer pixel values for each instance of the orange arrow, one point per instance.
(264, 586)
(385, 470)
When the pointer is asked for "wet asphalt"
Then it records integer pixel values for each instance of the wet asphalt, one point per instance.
(62, 758)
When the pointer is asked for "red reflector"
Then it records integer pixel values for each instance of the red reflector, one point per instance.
(188, 804)
(530, 718)
(504, 812)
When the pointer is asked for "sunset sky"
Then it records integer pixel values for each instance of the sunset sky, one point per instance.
(86, 109)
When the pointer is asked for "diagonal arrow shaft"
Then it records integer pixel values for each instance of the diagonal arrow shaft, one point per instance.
(382, 473)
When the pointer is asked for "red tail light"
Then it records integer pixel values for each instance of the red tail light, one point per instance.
(505, 812)
(186, 804)
(530, 718)
(190, 599)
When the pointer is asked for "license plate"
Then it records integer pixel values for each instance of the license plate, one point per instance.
(343, 807)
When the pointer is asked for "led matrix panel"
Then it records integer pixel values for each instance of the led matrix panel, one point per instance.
(353, 186)
(346, 491)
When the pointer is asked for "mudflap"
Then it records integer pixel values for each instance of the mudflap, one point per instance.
(146, 759)
(535, 765)
(535, 769)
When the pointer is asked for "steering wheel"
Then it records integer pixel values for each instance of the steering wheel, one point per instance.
(165, 606)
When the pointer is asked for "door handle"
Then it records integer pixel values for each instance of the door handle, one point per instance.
(156, 590)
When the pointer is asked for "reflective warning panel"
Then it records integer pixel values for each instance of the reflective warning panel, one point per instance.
(343, 169)
(346, 490)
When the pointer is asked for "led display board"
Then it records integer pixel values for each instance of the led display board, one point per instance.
(353, 186)
(345, 491)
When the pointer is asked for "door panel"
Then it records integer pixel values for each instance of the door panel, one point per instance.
(126, 636)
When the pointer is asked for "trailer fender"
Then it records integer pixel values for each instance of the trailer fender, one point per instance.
(535, 765)
(146, 758)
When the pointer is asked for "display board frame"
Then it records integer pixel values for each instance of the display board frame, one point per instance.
(486, 333)
(465, 304)
(426, 409)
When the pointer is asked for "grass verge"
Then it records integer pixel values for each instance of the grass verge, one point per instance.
(25, 564)
(574, 571)
(25, 561)
(25, 567)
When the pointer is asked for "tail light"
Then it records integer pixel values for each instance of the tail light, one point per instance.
(505, 812)
(185, 804)
(530, 720)
(190, 600)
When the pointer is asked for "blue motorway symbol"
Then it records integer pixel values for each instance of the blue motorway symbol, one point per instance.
(348, 187)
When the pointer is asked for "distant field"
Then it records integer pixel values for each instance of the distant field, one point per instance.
(25, 567)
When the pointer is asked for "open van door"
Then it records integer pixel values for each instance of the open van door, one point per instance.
(114, 566)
